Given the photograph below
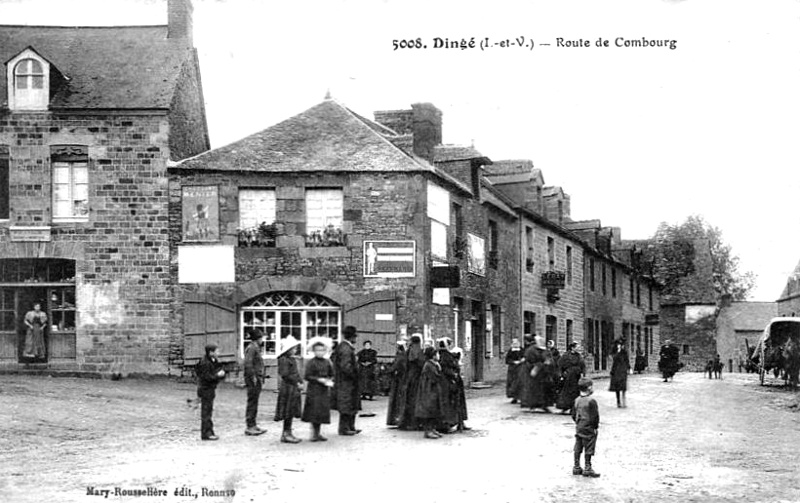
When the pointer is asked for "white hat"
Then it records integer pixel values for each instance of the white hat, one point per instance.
(287, 344)
(318, 339)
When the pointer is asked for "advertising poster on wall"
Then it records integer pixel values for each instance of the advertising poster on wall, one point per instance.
(476, 260)
(200, 213)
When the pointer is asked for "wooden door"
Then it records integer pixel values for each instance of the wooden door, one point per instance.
(375, 319)
(209, 319)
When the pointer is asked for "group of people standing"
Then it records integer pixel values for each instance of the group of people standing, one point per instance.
(427, 389)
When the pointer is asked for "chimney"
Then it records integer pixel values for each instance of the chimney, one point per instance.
(427, 123)
(180, 19)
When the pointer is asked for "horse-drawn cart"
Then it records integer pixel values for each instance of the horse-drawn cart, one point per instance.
(778, 350)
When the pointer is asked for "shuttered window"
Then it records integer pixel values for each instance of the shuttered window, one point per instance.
(4, 183)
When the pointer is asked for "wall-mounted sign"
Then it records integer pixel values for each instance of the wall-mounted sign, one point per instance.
(206, 264)
(29, 234)
(556, 280)
(438, 204)
(389, 259)
(384, 317)
(651, 319)
(476, 260)
(441, 296)
(200, 213)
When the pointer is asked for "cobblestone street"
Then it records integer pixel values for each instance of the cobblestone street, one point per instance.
(690, 440)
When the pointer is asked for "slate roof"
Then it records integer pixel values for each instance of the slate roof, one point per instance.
(510, 171)
(447, 153)
(118, 67)
(553, 190)
(751, 316)
(326, 137)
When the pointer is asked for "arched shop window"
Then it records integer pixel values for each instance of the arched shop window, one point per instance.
(281, 314)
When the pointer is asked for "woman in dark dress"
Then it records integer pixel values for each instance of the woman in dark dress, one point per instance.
(668, 362)
(414, 363)
(620, 366)
(450, 368)
(460, 394)
(367, 363)
(289, 391)
(397, 372)
(319, 375)
(535, 392)
(641, 361)
(429, 408)
(514, 358)
(571, 367)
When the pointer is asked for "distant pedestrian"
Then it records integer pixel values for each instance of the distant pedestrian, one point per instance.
(572, 368)
(460, 394)
(553, 385)
(397, 372)
(429, 408)
(35, 321)
(524, 370)
(319, 376)
(209, 373)
(348, 397)
(641, 361)
(289, 404)
(669, 360)
(710, 369)
(586, 415)
(253, 381)
(367, 363)
(718, 366)
(415, 360)
(535, 394)
(620, 366)
(514, 358)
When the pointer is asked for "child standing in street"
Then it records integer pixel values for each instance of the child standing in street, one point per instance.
(291, 385)
(319, 375)
(586, 415)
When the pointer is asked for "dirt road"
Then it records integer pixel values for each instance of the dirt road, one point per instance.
(689, 440)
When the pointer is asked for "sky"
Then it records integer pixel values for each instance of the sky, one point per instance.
(636, 136)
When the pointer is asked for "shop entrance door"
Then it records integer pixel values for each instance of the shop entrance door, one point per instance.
(27, 297)
(478, 340)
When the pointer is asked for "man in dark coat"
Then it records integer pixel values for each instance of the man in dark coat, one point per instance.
(397, 372)
(668, 363)
(367, 363)
(209, 373)
(253, 380)
(348, 397)
(415, 360)
(619, 372)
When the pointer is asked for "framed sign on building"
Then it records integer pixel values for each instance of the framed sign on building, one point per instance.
(476, 260)
(389, 259)
(200, 205)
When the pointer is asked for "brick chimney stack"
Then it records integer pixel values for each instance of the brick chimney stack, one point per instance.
(423, 122)
(180, 24)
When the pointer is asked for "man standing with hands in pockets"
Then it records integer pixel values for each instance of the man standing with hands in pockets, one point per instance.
(209, 373)
(253, 379)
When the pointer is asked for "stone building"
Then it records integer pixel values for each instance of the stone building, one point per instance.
(739, 327)
(789, 301)
(89, 119)
(328, 219)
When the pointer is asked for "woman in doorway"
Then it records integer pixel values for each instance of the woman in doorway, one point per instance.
(619, 372)
(35, 320)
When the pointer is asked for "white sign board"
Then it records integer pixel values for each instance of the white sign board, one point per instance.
(438, 240)
(476, 260)
(206, 264)
(441, 296)
(389, 259)
(438, 204)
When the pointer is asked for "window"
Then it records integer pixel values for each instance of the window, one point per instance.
(570, 336)
(70, 182)
(639, 339)
(497, 329)
(324, 217)
(458, 319)
(603, 274)
(551, 253)
(529, 262)
(649, 298)
(528, 323)
(460, 244)
(589, 336)
(256, 207)
(7, 311)
(494, 237)
(613, 282)
(591, 274)
(686, 349)
(569, 265)
(638, 294)
(4, 180)
(551, 329)
(31, 83)
(632, 290)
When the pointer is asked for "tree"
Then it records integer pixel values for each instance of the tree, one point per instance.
(676, 264)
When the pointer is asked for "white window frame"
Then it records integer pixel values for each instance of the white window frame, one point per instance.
(304, 325)
(250, 197)
(325, 196)
(29, 98)
(72, 184)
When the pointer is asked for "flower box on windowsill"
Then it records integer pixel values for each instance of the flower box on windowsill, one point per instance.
(261, 236)
(329, 237)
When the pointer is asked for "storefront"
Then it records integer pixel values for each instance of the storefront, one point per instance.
(50, 283)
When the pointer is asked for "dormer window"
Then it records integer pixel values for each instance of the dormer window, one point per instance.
(29, 82)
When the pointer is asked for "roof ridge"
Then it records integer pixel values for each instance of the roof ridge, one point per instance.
(73, 27)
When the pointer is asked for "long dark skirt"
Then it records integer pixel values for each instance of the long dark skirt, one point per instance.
(396, 398)
(641, 363)
(569, 388)
(535, 393)
(512, 381)
(410, 392)
(289, 402)
(318, 404)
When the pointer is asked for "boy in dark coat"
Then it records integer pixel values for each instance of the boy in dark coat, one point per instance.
(367, 363)
(586, 415)
(430, 401)
(348, 398)
(319, 376)
(290, 388)
(514, 358)
(209, 373)
(397, 372)
(253, 379)
(414, 363)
